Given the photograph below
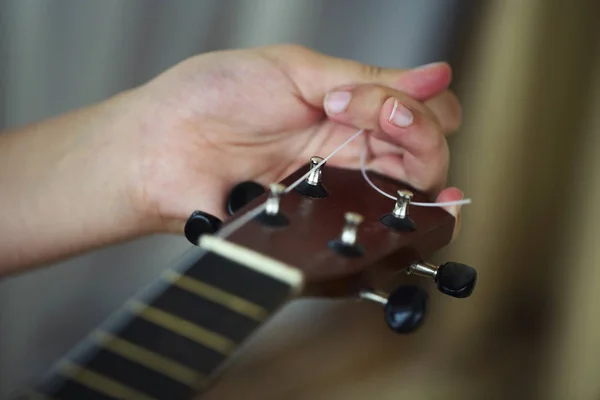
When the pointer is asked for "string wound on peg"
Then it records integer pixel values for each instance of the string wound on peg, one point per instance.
(399, 219)
(313, 186)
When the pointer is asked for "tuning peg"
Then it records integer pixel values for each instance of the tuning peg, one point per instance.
(347, 244)
(272, 215)
(312, 186)
(453, 279)
(200, 223)
(398, 219)
(404, 309)
(243, 193)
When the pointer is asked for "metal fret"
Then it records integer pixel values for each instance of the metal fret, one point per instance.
(151, 360)
(185, 328)
(101, 383)
(229, 300)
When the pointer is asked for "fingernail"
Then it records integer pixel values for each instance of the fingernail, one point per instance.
(433, 64)
(400, 115)
(337, 102)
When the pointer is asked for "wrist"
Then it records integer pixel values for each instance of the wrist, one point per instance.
(126, 117)
(170, 178)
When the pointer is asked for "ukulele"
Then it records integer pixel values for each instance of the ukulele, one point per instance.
(332, 235)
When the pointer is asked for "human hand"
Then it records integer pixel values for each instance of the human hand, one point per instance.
(144, 160)
(224, 117)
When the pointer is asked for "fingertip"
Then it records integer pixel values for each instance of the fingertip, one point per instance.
(451, 194)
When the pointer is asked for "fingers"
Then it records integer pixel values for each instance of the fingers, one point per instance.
(393, 117)
(316, 74)
(389, 114)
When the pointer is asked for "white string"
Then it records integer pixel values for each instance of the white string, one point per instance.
(238, 223)
(363, 170)
(293, 185)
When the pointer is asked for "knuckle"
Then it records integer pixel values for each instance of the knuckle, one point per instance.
(372, 71)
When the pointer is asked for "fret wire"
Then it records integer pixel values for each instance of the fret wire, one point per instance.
(101, 383)
(216, 295)
(184, 328)
(151, 360)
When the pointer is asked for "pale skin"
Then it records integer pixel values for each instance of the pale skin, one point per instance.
(142, 161)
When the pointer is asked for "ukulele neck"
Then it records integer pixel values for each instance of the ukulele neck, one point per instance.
(173, 343)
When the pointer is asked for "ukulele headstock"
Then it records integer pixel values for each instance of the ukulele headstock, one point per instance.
(344, 236)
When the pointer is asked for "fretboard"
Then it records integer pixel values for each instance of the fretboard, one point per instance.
(172, 343)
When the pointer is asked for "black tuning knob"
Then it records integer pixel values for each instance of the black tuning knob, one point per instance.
(404, 309)
(454, 279)
(200, 223)
(242, 194)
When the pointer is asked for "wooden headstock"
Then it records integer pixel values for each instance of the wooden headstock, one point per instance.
(313, 223)
(333, 235)
(344, 236)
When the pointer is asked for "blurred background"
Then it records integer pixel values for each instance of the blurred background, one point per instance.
(528, 75)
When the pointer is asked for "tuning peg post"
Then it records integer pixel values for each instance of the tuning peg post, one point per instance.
(401, 207)
(398, 219)
(313, 186)
(346, 244)
(275, 192)
(272, 215)
(316, 171)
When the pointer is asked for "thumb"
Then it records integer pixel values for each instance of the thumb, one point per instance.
(315, 74)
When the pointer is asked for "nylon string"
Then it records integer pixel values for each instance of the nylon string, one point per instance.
(363, 170)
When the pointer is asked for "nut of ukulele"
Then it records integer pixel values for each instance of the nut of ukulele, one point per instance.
(454, 279)
(404, 309)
